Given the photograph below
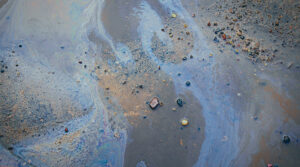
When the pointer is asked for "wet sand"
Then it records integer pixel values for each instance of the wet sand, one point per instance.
(77, 78)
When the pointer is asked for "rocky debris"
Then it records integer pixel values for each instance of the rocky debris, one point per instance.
(179, 101)
(184, 121)
(239, 21)
(154, 103)
(286, 139)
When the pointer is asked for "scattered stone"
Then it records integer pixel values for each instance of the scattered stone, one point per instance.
(236, 51)
(289, 65)
(184, 58)
(216, 40)
(238, 94)
(174, 15)
(66, 130)
(179, 101)
(286, 139)
(185, 25)
(154, 103)
(173, 109)
(163, 30)
(184, 122)
(193, 15)
(187, 83)
(224, 36)
(209, 24)
(10, 148)
(215, 24)
(20, 46)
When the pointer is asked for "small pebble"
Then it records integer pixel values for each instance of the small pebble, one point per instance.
(154, 103)
(187, 83)
(179, 102)
(184, 122)
(286, 139)
(66, 130)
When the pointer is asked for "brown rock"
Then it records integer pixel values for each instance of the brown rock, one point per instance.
(154, 103)
(208, 24)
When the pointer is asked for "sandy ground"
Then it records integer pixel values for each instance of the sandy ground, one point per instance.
(77, 78)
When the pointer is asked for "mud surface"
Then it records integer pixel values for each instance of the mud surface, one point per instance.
(77, 78)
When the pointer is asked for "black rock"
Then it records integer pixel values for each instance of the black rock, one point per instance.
(179, 102)
(187, 83)
(216, 40)
(286, 139)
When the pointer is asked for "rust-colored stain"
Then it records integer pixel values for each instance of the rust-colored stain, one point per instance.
(286, 104)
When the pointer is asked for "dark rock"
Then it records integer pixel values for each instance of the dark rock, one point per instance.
(217, 30)
(216, 40)
(286, 139)
(184, 58)
(179, 102)
(20, 46)
(187, 83)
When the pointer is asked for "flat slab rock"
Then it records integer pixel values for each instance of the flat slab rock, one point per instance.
(154, 103)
